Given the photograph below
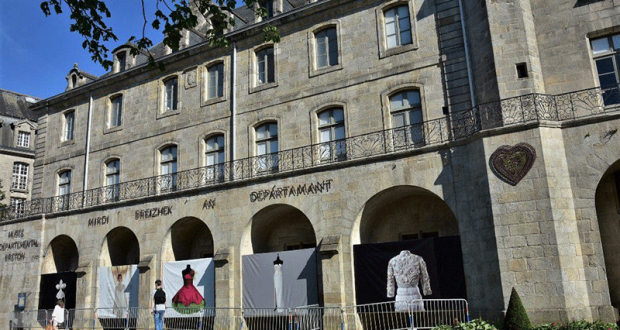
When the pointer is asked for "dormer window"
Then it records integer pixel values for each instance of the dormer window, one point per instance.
(73, 80)
(122, 61)
(271, 8)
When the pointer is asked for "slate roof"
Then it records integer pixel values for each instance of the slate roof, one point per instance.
(15, 105)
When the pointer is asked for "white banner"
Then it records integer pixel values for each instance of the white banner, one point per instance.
(189, 286)
(118, 290)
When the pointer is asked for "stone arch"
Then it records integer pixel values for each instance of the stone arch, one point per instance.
(278, 227)
(61, 255)
(607, 206)
(401, 213)
(188, 238)
(120, 247)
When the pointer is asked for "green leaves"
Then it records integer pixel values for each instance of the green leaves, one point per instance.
(175, 16)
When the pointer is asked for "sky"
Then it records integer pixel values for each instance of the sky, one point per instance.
(37, 52)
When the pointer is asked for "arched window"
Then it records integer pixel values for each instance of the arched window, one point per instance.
(332, 144)
(64, 183)
(397, 26)
(64, 189)
(406, 112)
(112, 178)
(168, 168)
(267, 146)
(215, 157)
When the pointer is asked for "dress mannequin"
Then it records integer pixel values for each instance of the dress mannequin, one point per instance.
(277, 284)
(407, 270)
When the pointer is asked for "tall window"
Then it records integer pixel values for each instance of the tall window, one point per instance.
(267, 146)
(64, 183)
(332, 134)
(171, 92)
(20, 176)
(606, 52)
(168, 168)
(64, 189)
(112, 178)
(214, 157)
(122, 61)
(406, 111)
(116, 112)
(18, 205)
(326, 47)
(265, 66)
(23, 139)
(215, 81)
(397, 26)
(268, 5)
(69, 125)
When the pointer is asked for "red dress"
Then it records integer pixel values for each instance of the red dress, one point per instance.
(188, 296)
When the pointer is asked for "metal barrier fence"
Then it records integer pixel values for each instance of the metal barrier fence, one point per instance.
(419, 314)
(455, 126)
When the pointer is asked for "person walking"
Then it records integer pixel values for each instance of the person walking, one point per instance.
(158, 305)
(58, 315)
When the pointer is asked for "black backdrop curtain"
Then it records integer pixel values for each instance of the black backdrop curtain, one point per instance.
(48, 291)
(442, 255)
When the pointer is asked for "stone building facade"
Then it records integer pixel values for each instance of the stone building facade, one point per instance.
(395, 112)
(17, 148)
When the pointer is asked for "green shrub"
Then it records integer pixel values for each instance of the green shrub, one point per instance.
(516, 316)
(477, 324)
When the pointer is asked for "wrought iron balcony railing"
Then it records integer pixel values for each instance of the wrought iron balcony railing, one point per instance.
(513, 111)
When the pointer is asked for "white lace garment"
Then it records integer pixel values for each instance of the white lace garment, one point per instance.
(407, 270)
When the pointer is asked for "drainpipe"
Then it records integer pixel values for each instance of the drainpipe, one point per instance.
(467, 60)
(233, 103)
(88, 126)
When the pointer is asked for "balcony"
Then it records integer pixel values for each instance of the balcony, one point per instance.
(516, 111)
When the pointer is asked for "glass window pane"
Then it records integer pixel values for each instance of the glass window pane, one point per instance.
(273, 146)
(415, 117)
(390, 28)
(413, 98)
(220, 157)
(403, 12)
(396, 101)
(398, 120)
(616, 41)
(321, 60)
(325, 135)
(261, 148)
(339, 133)
(405, 37)
(338, 115)
(605, 65)
(261, 132)
(324, 118)
(273, 130)
(390, 15)
(211, 159)
(600, 45)
(608, 80)
(270, 67)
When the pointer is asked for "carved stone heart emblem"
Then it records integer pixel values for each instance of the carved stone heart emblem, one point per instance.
(511, 164)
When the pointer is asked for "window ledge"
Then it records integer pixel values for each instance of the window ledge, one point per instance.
(397, 50)
(112, 129)
(168, 114)
(17, 190)
(328, 69)
(208, 102)
(262, 87)
(66, 143)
